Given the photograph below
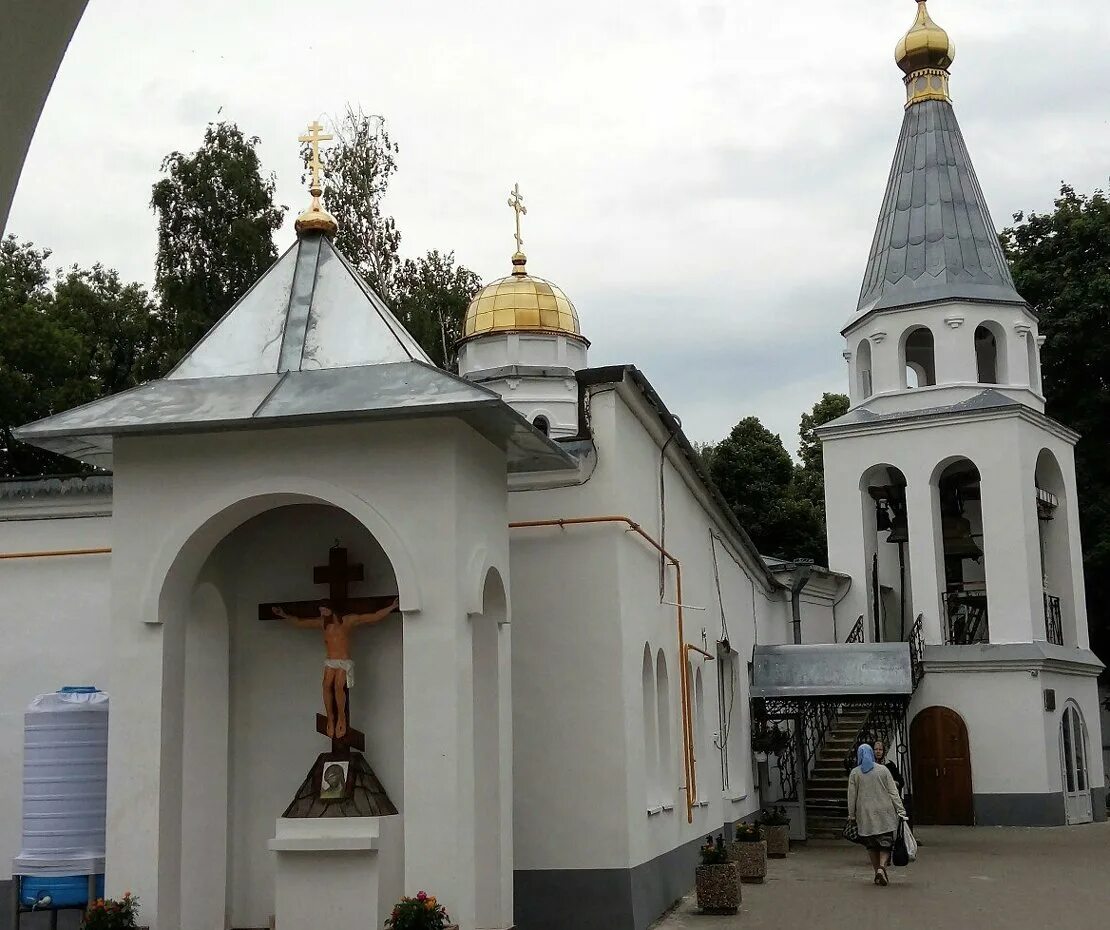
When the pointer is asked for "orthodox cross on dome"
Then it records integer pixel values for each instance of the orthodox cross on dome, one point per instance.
(516, 201)
(335, 617)
(314, 137)
(316, 218)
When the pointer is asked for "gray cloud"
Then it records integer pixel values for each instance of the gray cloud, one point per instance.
(702, 177)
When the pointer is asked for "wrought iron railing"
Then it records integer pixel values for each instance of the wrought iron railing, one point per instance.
(965, 617)
(886, 721)
(816, 719)
(917, 651)
(856, 636)
(1053, 625)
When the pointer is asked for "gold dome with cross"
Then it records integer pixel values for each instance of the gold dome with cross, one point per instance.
(521, 302)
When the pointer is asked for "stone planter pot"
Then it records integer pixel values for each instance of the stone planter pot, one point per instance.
(778, 840)
(718, 888)
(750, 859)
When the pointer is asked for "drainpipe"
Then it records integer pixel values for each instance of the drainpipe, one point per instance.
(802, 570)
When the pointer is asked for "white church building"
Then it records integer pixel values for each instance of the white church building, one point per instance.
(586, 640)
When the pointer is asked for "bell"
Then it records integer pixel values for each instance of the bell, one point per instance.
(957, 538)
(882, 518)
(899, 528)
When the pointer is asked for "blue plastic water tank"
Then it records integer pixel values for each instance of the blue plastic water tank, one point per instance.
(65, 784)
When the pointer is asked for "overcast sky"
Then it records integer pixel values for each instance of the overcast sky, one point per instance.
(702, 178)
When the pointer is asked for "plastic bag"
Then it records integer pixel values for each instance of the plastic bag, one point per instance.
(911, 844)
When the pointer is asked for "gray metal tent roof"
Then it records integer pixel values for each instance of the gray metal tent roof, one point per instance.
(934, 239)
(309, 342)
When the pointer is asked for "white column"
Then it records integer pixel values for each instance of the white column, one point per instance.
(926, 556)
(844, 523)
(1011, 544)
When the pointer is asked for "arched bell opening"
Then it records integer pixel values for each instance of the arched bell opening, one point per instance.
(959, 499)
(1054, 537)
(990, 354)
(886, 537)
(919, 367)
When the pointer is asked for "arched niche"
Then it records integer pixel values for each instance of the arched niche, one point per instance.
(886, 541)
(918, 358)
(667, 784)
(991, 353)
(651, 743)
(1033, 362)
(863, 371)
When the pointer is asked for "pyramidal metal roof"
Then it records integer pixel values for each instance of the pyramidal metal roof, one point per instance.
(935, 239)
(309, 342)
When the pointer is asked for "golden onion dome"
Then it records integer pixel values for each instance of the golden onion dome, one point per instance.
(316, 219)
(521, 303)
(925, 46)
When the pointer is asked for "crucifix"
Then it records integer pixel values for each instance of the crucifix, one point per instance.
(335, 616)
(314, 137)
(516, 201)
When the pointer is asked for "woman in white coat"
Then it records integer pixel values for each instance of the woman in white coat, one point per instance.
(875, 806)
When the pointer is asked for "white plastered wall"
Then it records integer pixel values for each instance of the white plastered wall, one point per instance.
(953, 327)
(177, 497)
(587, 601)
(54, 631)
(1004, 448)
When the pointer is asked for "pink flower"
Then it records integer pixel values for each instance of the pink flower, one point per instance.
(421, 896)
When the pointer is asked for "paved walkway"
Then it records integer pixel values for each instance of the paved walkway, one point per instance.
(984, 878)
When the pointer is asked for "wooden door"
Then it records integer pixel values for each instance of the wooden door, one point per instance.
(941, 768)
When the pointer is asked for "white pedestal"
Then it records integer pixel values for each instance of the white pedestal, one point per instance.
(337, 871)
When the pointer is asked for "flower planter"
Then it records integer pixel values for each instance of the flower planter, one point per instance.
(750, 859)
(718, 888)
(778, 840)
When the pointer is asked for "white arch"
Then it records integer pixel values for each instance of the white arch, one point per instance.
(181, 555)
(990, 359)
(651, 745)
(865, 379)
(919, 357)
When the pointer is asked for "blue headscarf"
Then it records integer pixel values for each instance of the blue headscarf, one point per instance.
(865, 756)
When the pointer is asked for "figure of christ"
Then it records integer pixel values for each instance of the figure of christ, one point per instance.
(339, 668)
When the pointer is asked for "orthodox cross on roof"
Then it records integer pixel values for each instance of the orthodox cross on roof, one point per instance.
(516, 201)
(314, 137)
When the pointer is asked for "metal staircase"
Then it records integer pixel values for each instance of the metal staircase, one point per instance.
(827, 786)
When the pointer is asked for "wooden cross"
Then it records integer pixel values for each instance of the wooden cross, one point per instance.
(314, 137)
(516, 201)
(337, 575)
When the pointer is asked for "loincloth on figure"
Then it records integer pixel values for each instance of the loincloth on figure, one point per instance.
(347, 665)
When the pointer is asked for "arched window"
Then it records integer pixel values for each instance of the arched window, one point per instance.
(667, 784)
(918, 358)
(990, 353)
(864, 381)
(1034, 362)
(1073, 760)
(542, 424)
(731, 704)
(651, 747)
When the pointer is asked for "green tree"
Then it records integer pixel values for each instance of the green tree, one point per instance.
(61, 346)
(755, 475)
(1061, 266)
(430, 298)
(809, 476)
(357, 169)
(216, 219)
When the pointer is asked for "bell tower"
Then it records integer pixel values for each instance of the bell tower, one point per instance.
(951, 495)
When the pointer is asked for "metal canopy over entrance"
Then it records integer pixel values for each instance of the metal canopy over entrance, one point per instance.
(832, 670)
